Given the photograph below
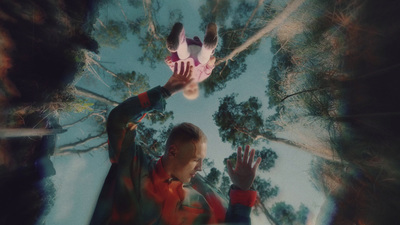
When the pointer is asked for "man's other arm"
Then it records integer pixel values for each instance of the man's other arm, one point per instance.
(134, 108)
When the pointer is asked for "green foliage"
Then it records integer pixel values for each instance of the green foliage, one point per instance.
(270, 121)
(286, 215)
(126, 85)
(302, 214)
(240, 123)
(104, 2)
(231, 37)
(160, 117)
(152, 140)
(150, 33)
(213, 176)
(281, 66)
(268, 157)
(136, 25)
(153, 43)
(135, 3)
(225, 184)
(232, 158)
(265, 189)
(208, 163)
(154, 50)
(214, 11)
(112, 33)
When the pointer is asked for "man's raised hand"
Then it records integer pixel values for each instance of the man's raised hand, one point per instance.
(181, 77)
(244, 173)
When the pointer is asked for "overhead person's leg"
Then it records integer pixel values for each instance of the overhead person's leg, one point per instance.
(209, 44)
(176, 41)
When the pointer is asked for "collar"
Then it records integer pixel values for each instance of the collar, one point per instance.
(161, 174)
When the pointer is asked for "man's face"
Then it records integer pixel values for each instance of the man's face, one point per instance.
(188, 160)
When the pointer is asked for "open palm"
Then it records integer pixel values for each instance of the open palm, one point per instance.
(244, 173)
(181, 77)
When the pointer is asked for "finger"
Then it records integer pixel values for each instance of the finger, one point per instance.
(229, 167)
(176, 68)
(252, 152)
(239, 155)
(190, 73)
(182, 68)
(257, 164)
(188, 67)
(246, 154)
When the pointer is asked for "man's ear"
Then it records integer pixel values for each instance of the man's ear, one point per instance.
(172, 151)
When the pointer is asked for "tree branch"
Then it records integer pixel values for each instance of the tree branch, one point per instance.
(89, 59)
(77, 143)
(270, 218)
(71, 151)
(89, 94)
(85, 118)
(301, 92)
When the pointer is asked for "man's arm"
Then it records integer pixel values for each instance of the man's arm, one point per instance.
(242, 197)
(135, 107)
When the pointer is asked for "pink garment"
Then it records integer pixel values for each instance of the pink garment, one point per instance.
(201, 71)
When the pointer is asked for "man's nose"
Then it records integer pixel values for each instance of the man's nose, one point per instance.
(199, 166)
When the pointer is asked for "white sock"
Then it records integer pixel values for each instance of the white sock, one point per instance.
(204, 55)
(183, 51)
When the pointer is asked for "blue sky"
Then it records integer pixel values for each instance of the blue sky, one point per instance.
(79, 178)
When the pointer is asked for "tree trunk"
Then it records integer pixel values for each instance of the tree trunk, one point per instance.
(28, 132)
(290, 8)
(330, 157)
(270, 218)
(89, 94)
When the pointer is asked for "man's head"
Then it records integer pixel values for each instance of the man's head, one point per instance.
(185, 150)
(191, 91)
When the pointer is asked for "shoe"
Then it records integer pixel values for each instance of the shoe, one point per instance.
(173, 38)
(211, 39)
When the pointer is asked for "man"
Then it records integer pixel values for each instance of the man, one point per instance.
(142, 190)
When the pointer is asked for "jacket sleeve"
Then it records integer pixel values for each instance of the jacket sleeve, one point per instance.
(132, 110)
(239, 208)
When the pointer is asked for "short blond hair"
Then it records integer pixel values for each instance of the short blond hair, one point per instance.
(185, 132)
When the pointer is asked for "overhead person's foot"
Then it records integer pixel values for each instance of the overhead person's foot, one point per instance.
(174, 38)
(211, 39)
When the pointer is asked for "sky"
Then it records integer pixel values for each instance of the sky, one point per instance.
(79, 178)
